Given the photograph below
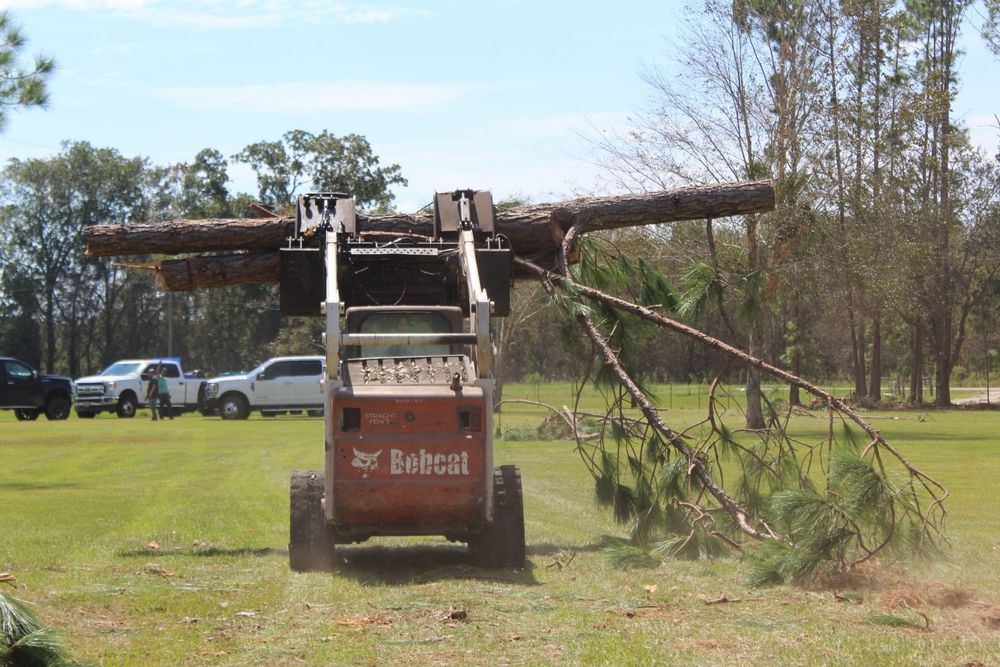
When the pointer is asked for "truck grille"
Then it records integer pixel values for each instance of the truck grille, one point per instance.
(89, 390)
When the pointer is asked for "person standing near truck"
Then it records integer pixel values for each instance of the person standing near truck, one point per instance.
(152, 394)
(166, 407)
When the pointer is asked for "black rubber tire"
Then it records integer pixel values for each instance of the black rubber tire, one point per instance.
(85, 415)
(311, 544)
(26, 414)
(501, 543)
(126, 405)
(58, 407)
(234, 405)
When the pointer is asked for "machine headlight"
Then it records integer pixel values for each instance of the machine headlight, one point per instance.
(211, 388)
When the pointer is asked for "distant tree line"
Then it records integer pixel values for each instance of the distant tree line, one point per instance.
(882, 258)
(67, 312)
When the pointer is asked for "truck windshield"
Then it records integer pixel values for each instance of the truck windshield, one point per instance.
(405, 323)
(120, 368)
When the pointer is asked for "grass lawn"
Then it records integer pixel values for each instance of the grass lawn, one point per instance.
(83, 503)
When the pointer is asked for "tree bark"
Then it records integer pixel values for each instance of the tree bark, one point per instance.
(529, 228)
(174, 275)
(917, 365)
(875, 379)
(860, 371)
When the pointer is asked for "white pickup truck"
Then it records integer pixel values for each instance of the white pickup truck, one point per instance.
(121, 388)
(279, 385)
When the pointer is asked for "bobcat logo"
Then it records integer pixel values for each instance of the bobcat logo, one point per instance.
(365, 462)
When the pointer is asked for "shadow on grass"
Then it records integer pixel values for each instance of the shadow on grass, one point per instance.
(206, 552)
(372, 563)
(37, 486)
(421, 564)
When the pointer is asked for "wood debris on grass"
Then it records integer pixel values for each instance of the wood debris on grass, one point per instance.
(559, 563)
(722, 599)
(7, 578)
(153, 568)
(455, 614)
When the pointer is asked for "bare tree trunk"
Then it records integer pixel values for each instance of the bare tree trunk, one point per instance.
(755, 412)
(50, 330)
(794, 395)
(875, 381)
(917, 365)
(943, 367)
(860, 370)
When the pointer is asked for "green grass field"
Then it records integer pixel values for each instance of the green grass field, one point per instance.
(84, 503)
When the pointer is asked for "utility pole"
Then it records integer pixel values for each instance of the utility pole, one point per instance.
(170, 324)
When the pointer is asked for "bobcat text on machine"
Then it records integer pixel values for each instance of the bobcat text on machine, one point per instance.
(409, 380)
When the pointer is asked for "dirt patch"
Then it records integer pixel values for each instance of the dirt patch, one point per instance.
(951, 597)
(867, 577)
(935, 595)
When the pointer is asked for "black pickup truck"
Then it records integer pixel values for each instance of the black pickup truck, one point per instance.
(29, 393)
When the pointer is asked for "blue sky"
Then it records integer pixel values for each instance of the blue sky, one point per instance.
(492, 94)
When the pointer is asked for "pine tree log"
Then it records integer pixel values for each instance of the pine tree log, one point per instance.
(181, 275)
(534, 231)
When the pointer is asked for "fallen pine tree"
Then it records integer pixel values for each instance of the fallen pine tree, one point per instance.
(800, 510)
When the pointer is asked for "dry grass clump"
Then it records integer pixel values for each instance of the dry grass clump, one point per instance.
(991, 617)
(903, 598)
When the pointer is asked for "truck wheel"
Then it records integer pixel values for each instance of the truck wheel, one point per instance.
(85, 415)
(126, 405)
(501, 543)
(26, 414)
(57, 407)
(311, 542)
(234, 406)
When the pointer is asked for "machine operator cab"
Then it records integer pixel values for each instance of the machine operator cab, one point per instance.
(399, 363)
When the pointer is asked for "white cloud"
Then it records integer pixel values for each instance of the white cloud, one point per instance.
(230, 14)
(316, 96)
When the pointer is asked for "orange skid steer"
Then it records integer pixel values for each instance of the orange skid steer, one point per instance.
(409, 381)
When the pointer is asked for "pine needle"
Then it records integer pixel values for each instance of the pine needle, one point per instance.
(915, 622)
(23, 638)
(624, 556)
